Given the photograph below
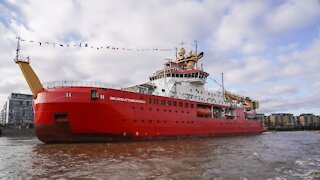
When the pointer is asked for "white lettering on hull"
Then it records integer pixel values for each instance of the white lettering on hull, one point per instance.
(127, 100)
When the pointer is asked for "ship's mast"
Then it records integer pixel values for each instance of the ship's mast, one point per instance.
(18, 50)
(196, 53)
(222, 83)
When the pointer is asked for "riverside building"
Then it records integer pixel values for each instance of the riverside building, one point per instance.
(17, 111)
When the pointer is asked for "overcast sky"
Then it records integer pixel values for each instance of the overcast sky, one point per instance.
(268, 49)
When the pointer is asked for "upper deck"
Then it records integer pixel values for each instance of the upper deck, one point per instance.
(62, 84)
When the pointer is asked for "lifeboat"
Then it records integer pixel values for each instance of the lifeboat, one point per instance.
(203, 111)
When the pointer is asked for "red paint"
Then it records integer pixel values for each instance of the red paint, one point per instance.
(81, 119)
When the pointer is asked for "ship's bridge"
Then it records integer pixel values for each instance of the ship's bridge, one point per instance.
(194, 75)
(181, 72)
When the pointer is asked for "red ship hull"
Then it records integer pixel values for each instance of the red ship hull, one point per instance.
(70, 114)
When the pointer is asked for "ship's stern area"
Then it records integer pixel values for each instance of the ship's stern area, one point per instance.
(76, 114)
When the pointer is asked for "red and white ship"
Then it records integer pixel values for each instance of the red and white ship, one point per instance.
(172, 104)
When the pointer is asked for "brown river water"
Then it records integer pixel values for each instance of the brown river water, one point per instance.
(281, 155)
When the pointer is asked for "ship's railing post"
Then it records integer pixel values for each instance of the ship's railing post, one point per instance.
(211, 111)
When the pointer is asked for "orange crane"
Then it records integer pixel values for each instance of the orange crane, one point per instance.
(246, 101)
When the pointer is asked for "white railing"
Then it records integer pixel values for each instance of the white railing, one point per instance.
(58, 84)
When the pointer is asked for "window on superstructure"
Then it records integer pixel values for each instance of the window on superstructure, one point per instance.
(169, 103)
(192, 75)
(168, 75)
(181, 75)
(186, 105)
(185, 75)
(94, 94)
(191, 105)
(196, 75)
(180, 104)
(174, 103)
(189, 75)
(155, 101)
(163, 102)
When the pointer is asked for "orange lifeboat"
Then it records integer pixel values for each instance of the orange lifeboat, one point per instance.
(203, 111)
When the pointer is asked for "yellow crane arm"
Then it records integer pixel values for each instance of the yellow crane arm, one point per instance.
(31, 77)
(246, 101)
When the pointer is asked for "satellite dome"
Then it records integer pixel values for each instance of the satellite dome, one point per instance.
(181, 52)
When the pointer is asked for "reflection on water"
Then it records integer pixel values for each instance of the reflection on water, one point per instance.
(289, 155)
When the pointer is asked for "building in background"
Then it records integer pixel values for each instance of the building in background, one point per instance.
(3, 114)
(306, 119)
(263, 119)
(18, 111)
(282, 120)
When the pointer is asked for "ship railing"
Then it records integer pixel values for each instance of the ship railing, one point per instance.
(59, 84)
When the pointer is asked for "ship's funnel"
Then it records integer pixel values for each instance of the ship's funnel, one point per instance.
(31, 77)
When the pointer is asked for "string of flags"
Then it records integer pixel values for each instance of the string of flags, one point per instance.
(87, 45)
